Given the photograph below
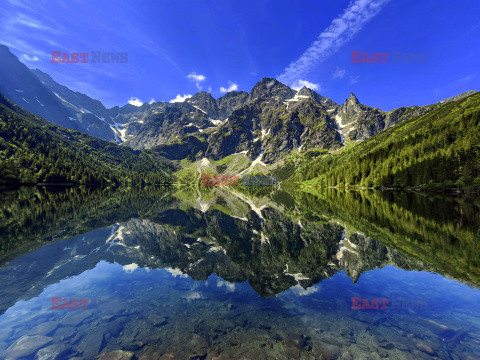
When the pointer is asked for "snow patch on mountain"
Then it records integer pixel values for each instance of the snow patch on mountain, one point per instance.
(196, 107)
(216, 122)
(296, 98)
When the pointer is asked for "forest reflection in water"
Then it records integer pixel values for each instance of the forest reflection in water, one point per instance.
(268, 275)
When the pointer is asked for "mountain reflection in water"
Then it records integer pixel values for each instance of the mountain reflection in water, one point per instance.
(222, 274)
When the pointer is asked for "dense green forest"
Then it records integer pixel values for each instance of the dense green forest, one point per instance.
(440, 149)
(33, 150)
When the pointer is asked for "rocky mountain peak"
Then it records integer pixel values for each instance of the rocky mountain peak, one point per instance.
(229, 102)
(306, 92)
(458, 97)
(353, 99)
(200, 95)
(325, 102)
(351, 105)
(204, 102)
(5, 51)
(270, 88)
(233, 94)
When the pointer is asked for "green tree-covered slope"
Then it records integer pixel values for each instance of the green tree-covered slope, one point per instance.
(438, 149)
(33, 150)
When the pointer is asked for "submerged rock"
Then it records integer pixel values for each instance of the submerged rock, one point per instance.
(425, 348)
(27, 345)
(44, 329)
(52, 352)
(91, 345)
(75, 318)
(156, 320)
(295, 341)
(117, 355)
(171, 356)
(326, 351)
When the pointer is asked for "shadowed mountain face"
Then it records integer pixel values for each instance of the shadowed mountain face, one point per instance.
(21, 86)
(260, 240)
(90, 114)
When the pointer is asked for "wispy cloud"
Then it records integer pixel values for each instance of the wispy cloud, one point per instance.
(354, 79)
(30, 58)
(231, 87)
(301, 83)
(180, 98)
(198, 78)
(32, 23)
(135, 102)
(340, 31)
(339, 73)
(466, 79)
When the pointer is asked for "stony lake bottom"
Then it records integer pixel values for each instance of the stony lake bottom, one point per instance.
(232, 274)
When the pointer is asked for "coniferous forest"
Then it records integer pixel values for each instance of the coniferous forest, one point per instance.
(33, 150)
(440, 149)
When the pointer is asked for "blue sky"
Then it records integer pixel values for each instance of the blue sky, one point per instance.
(178, 47)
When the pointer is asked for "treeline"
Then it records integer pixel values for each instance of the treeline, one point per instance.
(440, 149)
(32, 151)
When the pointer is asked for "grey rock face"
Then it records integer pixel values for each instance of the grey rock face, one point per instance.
(229, 102)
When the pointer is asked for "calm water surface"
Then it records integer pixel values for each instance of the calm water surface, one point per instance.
(179, 274)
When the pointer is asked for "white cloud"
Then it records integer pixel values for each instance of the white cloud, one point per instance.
(340, 31)
(231, 87)
(339, 73)
(198, 78)
(30, 58)
(301, 83)
(152, 100)
(354, 80)
(135, 102)
(180, 98)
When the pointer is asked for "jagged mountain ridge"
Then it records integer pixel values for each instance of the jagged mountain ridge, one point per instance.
(267, 123)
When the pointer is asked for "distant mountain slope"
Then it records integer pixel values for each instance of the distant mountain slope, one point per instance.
(94, 118)
(33, 150)
(439, 148)
(22, 87)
